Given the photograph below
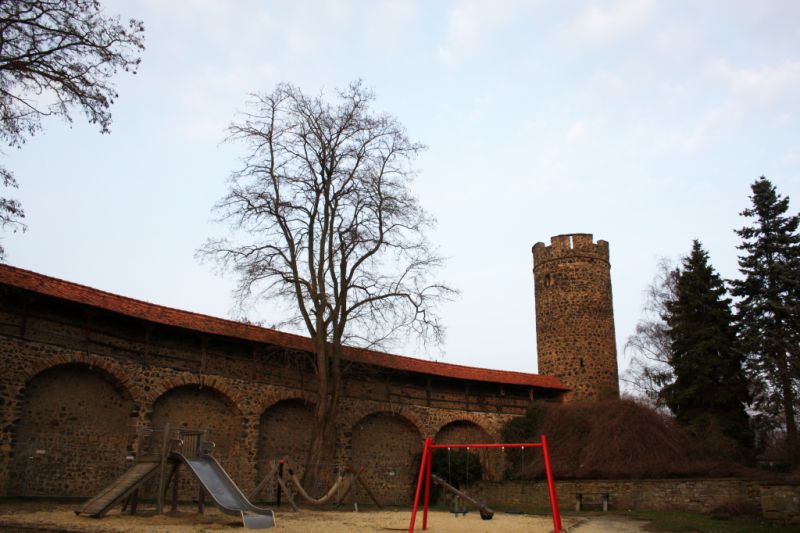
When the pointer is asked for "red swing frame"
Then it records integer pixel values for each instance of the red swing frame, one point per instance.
(425, 477)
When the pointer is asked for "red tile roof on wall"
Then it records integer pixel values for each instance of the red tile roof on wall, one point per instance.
(41, 284)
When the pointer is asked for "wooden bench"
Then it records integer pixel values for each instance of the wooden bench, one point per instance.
(605, 497)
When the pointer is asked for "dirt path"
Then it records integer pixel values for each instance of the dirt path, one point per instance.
(41, 516)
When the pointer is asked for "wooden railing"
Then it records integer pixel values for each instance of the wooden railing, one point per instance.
(157, 443)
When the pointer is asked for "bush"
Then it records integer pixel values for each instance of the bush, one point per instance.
(618, 439)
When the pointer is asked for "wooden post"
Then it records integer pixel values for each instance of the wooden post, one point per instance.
(162, 479)
(201, 441)
(279, 479)
(341, 496)
(263, 483)
(134, 502)
(175, 480)
(357, 475)
(201, 501)
(278, 484)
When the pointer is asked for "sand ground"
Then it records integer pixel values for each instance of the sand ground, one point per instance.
(28, 517)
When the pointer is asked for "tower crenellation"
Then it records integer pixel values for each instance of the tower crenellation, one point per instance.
(574, 315)
(570, 245)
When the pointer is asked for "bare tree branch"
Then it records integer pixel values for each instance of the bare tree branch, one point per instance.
(57, 55)
(649, 346)
(323, 216)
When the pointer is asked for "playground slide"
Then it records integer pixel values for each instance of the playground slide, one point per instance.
(226, 493)
(119, 489)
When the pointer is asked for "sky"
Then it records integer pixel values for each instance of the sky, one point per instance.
(639, 121)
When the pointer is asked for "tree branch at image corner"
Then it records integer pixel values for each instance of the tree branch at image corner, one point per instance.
(56, 56)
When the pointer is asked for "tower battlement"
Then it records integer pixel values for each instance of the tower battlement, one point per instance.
(569, 245)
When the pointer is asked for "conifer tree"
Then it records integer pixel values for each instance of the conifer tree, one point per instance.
(768, 309)
(710, 386)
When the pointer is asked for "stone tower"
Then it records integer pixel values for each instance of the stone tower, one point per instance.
(574, 315)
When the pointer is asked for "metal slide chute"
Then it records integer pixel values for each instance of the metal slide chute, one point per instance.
(225, 493)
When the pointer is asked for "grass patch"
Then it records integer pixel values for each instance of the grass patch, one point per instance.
(677, 521)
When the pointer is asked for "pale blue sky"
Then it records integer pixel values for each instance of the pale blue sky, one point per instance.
(641, 122)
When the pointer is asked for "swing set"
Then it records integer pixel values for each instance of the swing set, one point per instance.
(425, 477)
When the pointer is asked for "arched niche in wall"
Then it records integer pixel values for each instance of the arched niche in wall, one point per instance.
(467, 432)
(285, 431)
(201, 407)
(462, 432)
(388, 446)
(73, 434)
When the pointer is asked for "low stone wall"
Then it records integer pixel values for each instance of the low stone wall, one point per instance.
(700, 495)
(781, 503)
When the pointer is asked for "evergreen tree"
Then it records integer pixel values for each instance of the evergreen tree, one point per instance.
(710, 386)
(768, 309)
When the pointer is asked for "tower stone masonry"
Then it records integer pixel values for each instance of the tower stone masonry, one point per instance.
(575, 316)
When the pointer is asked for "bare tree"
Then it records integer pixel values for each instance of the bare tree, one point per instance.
(56, 55)
(323, 216)
(650, 346)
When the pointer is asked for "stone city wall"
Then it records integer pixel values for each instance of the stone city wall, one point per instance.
(78, 384)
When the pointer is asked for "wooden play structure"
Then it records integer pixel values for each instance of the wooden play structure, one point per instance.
(161, 452)
(283, 475)
(425, 478)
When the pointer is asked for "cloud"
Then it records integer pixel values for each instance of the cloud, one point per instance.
(764, 82)
(714, 124)
(576, 131)
(389, 23)
(604, 22)
(741, 96)
(469, 24)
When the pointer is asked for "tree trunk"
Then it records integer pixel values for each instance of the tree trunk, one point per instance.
(787, 396)
(316, 449)
(324, 413)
